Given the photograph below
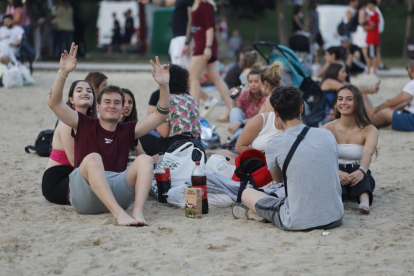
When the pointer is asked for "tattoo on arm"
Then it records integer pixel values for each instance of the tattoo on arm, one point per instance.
(50, 94)
(162, 3)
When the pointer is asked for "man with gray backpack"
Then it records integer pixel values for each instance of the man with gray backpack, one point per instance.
(306, 160)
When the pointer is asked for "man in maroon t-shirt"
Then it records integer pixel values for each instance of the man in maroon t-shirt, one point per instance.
(100, 181)
(373, 37)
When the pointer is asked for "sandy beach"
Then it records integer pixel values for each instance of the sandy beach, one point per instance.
(40, 238)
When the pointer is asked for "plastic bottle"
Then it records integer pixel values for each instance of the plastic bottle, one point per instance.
(228, 144)
(199, 180)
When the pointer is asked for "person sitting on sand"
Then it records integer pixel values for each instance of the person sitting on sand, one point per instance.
(313, 190)
(100, 182)
(257, 132)
(98, 81)
(55, 180)
(270, 79)
(248, 104)
(399, 111)
(357, 140)
(335, 78)
(130, 114)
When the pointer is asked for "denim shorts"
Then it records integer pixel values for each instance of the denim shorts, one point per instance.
(403, 121)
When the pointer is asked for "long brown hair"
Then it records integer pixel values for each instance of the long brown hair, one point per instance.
(95, 79)
(361, 116)
(92, 109)
(134, 114)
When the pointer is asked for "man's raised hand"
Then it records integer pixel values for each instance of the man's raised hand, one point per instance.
(161, 74)
(68, 60)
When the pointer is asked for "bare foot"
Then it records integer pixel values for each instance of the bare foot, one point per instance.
(364, 208)
(139, 216)
(126, 220)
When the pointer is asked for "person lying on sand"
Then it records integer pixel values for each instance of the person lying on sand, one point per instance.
(399, 111)
(357, 140)
(100, 182)
(313, 192)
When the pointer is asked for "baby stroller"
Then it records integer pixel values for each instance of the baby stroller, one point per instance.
(295, 74)
(300, 43)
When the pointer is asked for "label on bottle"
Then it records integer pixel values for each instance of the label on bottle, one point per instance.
(204, 191)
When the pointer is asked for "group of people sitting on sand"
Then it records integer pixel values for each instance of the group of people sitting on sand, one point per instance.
(88, 167)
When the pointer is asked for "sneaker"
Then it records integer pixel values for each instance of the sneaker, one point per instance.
(239, 211)
(382, 66)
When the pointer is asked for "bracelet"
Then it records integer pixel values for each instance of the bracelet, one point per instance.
(163, 111)
(60, 75)
(187, 43)
(209, 46)
(365, 174)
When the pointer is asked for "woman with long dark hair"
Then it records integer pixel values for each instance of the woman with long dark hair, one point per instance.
(357, 140)
(55, 181)
(335, 78)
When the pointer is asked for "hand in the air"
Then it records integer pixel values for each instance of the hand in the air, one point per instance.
(161, 74)
(68, 60)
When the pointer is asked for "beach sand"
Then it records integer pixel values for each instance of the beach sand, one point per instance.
(40, 238)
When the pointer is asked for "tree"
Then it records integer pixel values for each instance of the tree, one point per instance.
(253, 10)
(408, 25)
(281, 22)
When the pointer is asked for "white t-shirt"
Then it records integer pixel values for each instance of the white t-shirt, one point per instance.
(409, 88)
(12, 35)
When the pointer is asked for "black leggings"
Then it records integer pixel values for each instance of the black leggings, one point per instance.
(55, 184)
(367, 184)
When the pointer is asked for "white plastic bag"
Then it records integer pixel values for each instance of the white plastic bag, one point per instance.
(25, 72)
(181, 164)
(12, 77)
(176, 197)
(219, 165)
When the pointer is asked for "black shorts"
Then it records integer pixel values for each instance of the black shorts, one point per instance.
(367, 184)
(55, 184)
(319, 40)
(372, 50)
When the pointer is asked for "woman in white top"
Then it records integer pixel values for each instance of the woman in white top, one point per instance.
(255, 134)
(357, 140)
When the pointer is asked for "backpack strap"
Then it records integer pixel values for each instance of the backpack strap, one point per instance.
(292, 150)
(26, 149)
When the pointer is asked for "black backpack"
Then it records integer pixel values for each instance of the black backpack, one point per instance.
(353, 23)
(43, 144)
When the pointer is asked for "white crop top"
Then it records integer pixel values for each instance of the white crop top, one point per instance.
(350, 153)
(268, 131)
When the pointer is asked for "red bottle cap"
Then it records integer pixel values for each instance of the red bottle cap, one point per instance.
(197, 163)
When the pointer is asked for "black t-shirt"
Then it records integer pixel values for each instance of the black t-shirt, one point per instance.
(232, 78)
(155, 97)
(129, 26)
(180, 17)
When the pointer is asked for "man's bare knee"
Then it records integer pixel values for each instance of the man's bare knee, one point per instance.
(92, 161)
(143, 161)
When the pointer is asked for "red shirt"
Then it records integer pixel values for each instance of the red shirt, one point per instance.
(249, 106)
(373, 36)
(113, 147)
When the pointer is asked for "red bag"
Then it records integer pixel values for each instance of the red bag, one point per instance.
(261, 176)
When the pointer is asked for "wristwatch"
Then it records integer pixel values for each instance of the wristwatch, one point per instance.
(209, 46)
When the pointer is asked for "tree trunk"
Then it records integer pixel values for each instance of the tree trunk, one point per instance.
(258, 27)
(408, 25)
(142, 30)
(281, 22)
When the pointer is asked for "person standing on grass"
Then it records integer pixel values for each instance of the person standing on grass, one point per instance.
(373, 37)
(101, 181)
